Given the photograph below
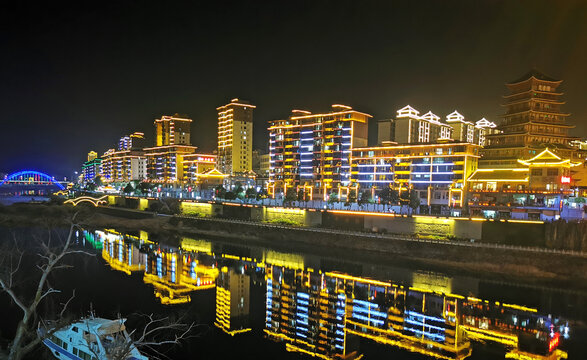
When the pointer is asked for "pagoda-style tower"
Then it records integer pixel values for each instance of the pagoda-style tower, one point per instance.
(533, 120)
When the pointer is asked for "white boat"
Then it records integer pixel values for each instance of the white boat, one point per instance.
(92, 339)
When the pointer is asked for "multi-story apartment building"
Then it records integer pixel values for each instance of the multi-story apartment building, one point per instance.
(134, 141)
(127, 163)
(92, 167)
(438, 172)
(235, 137)
(172, 144)
(312, 152)
(410, 128)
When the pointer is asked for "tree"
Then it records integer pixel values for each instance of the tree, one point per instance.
(251, 193)
(414, 200)
(50, 256)
(98, 181)
(388, 196)
(290, 195)
(332, 198)
(220, 192)
(128, 188)
(91, 187)
(262, 194)
(145, 187)
(230, 195)
(300, 195)
(351, 197)
(365, 197)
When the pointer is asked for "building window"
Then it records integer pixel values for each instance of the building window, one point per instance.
(536, 172)
(552, 172)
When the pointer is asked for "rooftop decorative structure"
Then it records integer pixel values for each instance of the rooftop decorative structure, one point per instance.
(408, 111)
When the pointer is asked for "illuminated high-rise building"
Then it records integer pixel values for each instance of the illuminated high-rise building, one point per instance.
(437, 172)
(165, 161)
(92, 155)
(235, 137)
(92, 167)
(410, 128)
(172, 130)
(533, 121)
(312, 152)
(127, 163)
(134, 141)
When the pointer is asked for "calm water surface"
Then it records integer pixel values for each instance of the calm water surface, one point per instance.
(254, 301)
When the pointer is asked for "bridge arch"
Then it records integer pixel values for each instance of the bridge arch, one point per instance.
(31, 177)
(93, 201)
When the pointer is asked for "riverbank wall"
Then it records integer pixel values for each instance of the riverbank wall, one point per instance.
(560, 235)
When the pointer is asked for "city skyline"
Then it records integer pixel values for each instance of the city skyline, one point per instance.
(119, 81)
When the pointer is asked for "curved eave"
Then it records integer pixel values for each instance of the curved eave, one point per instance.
(536, 100)
(536, 111)
(531, 91)
(535, 78)
(538, 123)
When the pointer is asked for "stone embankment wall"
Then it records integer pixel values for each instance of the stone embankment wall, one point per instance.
(566, 235)
(556, 235)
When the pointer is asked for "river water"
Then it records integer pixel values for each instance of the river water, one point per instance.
(256, 301)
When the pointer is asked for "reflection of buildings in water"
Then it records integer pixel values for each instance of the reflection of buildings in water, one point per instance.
(175, 274)
(196, 246)
(93, 239)
(325, 314)
(322, 314)
(415, 320)
(528, 334)
(305, 312)
(232, 301)
(120, 255)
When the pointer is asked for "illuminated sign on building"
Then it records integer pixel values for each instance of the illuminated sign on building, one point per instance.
(565, 179)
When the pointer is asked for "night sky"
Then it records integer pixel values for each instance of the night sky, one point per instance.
(76, 77)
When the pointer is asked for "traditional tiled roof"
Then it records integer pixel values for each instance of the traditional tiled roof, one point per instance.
(534, 74)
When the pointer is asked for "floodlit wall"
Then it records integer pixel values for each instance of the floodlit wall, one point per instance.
(284, 216)
(196, 209)
(425, 225)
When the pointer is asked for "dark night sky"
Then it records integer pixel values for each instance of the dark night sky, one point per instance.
(76, 77)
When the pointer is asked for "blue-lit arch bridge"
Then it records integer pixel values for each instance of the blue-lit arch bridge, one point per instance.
(30, 183)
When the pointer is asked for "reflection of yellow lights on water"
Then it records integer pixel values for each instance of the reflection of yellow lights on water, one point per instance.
(194, 245)
(521, 355)
(410, 343)
(290, 261)
(490, 335)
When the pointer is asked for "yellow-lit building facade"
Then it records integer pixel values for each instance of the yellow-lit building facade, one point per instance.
(535, 189)
(235, 137)
(127, 163)
(233, 302)
(312, 152)
(165, 161)
(437, 172)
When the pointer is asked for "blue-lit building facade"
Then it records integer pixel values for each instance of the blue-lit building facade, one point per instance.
(438, 172)
(305, 309)
(311, 152)
(92, 167)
